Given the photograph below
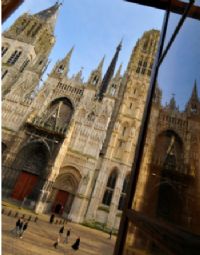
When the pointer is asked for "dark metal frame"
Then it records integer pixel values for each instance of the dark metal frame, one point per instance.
(175, 6)
(129, 215)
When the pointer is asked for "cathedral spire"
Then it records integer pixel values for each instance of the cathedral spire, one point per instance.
(66, 60)
(172, 104)
(62, 67)
(100, 66)
(95, 76)
(49, 15)
(193, 105)
(109, 74)
(78, 77)
(118, 73)
(194, 95)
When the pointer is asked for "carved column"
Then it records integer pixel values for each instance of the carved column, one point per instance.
(42, 192)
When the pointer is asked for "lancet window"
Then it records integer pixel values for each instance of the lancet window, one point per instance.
(24, 65)
(123, 193)
(4, 74)
(4, 50)
(14, 57)
(107, 198)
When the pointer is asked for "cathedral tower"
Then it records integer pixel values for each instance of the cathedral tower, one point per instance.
(26, 46)
(117, 156)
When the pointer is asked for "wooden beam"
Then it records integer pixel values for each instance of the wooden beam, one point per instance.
(8, 7)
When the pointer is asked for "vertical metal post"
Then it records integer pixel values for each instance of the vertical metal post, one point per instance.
(123, 229)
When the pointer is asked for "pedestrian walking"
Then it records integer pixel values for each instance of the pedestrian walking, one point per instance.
(76, 245)
(61, 231)
(24, 227)
(51, 220)
(67, 236)
(20, 226)
(56, 243)
(110, 234)
(17, 224)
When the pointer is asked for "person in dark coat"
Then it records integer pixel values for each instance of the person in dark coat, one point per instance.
(17, 224)
(67, 236)
(51, 220)
(110, 234)
(20, 227)
(24, 227)
(76, 245)
(56, 243)
(61, 231)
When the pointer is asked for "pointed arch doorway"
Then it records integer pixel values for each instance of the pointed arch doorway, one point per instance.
(31, 162)
(64, 190)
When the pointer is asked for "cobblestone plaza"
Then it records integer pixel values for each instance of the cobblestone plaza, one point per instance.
(40, 236)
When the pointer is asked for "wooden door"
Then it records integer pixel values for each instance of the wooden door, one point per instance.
(24, 185)
(61, 199)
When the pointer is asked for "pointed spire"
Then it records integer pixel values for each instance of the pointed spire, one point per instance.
(100, 66)
(78, 76)
(50, 15)
(62, 67)
(118, 73)
(172, 103)
(66, 60)
(193, 105)
(109, 74)
(194, 91)
(96, 74)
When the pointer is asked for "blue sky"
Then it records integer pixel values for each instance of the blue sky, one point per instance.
(95, 27)
(181, 67)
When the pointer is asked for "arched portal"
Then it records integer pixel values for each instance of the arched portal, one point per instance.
(169, 206)
(31, 162)
(64, 190)
(168, 151)
(167, 177)
(59, 113)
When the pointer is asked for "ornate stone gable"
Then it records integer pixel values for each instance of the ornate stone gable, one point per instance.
(91, 122)
(54, 89)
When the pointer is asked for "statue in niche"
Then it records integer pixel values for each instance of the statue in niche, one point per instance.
(91, 116)
(113, 89)
(132, 134)
(117, 125)
(86, 178)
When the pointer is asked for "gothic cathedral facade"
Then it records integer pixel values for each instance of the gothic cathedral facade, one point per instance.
(68, 146)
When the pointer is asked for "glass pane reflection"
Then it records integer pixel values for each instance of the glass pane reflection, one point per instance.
(133, 245)
(168, 189)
